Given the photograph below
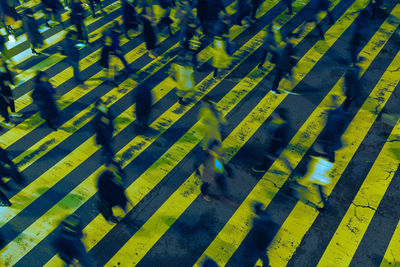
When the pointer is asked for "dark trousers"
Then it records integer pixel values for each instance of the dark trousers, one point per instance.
(4, 198)
(322, 196)
(289, 5)
(254, 9)
(92, 7)
(4, 113)
(75, 66)
(119, 54)
(82, 33)
(278, 77)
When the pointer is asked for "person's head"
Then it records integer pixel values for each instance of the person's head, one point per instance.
(28, 12)
(282, 114)
(100, 106)
(258, 208)
(41, 76)
(215, 146)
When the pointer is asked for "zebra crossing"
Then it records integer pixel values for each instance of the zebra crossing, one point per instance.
(61, 167)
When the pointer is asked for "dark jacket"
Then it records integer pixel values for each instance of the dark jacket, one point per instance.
(143, 100)
(70, 49)
(103, 126)
(77, 13)
(110, 188)
(43, 97)
(31, 28)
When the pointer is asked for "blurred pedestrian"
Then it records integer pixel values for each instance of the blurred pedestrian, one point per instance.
(285, 60)
(208, 12)
(68, 243)
(143, 101)
(271, 43)
(289, 5)
(6, 95)
(71, 51)
(255, 4)
(311, 16)
(359, 35)
(9, 169)
(278, 139)
(104, 129)
(212, 121)
(53, 9)
(93, 4)
(77, 18)
(258, 239)
(111, 192)
(31, 29)
(149, 33)
(331, 135)
(43, 96)
(111, 47)
(244, 10)
(130, 19)
(212, 171)
(220, 59)
(352, 86)
(182, 73)
(165, 20)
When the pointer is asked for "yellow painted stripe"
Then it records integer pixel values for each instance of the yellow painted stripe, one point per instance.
(391, 257)
(235, 230)
(47, 63)
(355, 222)
(16, 249)
(294, 228)
(59, 36)
(159, 223)
(71, 161)
(16, 133)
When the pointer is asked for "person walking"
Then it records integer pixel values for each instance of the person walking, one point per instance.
(53, 9)
(271, 43)
(352, 87)
(43, 96)
(182, 72)
(68, 242)
(12, 170)
(104, 129)
(285, 59)
(31, 29)
(212, 121)
(111, 47)
(258, 239)
(149, 33)
(165, 20)
(220, 59)
(71, 51)
(143, 100)
(111, 192)
(93, 4)
(6, 95)
(77, 16)
(212, 171)
(278, 139)
(130, 19)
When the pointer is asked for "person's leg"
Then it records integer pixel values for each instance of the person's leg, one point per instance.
(4, 114)
(4, 201)
(204, 191)
(277, 80)
(323, 199)
(320, 30)
(289, 5)
(263, 58)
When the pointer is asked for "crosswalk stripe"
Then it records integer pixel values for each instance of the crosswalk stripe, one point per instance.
(235, 230)
(59, 36)
(73, 160)
(138, 245)
(73, 95)
(391, 255)
(355, 222)
(296, 225)
(22, 247)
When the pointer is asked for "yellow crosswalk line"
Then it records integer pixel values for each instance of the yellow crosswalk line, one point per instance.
(17, 248)
(292, 231)
(355, 222)
(391, 257)
(14, 252)
(235, 230)
(71, 161)
(59, 36)
(141, 242)
(16, 133)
